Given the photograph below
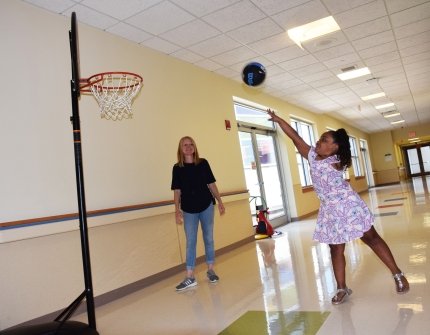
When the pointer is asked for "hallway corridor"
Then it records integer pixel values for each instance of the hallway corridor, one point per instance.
(284, 285)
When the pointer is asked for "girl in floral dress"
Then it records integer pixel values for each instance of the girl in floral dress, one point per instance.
(343, 216)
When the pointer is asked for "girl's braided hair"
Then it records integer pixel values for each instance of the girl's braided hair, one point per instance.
(341, 138)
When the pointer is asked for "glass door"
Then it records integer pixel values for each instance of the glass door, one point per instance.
(260, 163)
(418, 160)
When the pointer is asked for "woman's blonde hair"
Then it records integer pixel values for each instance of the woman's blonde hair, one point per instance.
(180, 153)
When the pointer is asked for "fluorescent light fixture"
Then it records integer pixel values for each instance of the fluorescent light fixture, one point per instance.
(313, 30)
(373, 96)
(396, 122)
(354, 73)
(391, 104)
(414, 139)
(386, 115)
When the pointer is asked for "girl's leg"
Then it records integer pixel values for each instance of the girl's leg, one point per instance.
(337, 252)
(339, 264)
(381, 249)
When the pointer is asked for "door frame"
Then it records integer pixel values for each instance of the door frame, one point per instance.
(420, 159)
(254, 129)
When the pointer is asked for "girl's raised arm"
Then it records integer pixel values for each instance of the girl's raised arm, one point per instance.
(299, 143)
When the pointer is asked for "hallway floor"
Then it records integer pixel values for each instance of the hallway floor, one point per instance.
(284, 285)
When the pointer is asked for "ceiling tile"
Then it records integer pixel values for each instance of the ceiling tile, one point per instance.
(326, 81)
(160, 18)
(272, 44)
(368, 28)
(331, 87)
(417, 49)
(190, 33)
(361, 14)
(411, 15)
(316, 76)
(412, 28)
(337, 6)
(234, 56)
(385, 57)
(208, 64)
(308, 70)
(297, 16)
(373, 40)
(399, 5)
(342, 61)
(187, 56)
(53, 6)
(129, 32)
(161, 45)
(298, 62)
(334, 52)
(215, 46)
(410, 41)
(271, 7)
(255, 31)
(378, 50)
(118, 9)
(91, 17)
(286, 54)
(234, 16)
(201, 8)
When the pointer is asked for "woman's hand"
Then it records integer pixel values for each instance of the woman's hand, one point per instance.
(178, 216)
(221, 208)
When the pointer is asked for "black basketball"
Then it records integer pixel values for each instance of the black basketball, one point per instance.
(253, 74)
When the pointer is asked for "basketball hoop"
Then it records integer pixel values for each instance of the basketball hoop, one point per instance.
(114, 92)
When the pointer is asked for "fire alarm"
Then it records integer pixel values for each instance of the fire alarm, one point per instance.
(227, 124)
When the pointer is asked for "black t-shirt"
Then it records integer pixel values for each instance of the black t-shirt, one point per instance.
(193, 179)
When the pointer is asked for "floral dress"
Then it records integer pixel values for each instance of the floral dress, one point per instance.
(343, 216)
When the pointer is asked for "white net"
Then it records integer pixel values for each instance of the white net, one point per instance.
(114, 93)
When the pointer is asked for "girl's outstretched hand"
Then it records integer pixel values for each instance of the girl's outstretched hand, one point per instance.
(273, 116)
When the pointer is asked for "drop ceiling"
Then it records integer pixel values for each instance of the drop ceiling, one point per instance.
(390, 37)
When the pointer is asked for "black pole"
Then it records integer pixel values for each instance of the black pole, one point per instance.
(83, 226)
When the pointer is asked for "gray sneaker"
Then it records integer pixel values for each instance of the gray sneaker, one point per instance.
(213, 278)
(188, 282)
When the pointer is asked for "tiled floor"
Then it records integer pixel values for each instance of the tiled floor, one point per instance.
(284, 285)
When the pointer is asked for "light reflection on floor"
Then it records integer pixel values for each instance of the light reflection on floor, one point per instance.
(290, 276)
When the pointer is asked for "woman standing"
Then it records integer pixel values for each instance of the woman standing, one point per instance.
(343, 216)
(193, 184)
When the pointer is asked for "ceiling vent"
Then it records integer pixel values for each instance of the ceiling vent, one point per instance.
(350, 68)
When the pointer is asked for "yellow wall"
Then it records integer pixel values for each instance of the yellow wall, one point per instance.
(391, 169)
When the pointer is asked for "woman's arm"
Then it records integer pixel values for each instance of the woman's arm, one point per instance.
(299, 143)
(177, 200)
(214, 190)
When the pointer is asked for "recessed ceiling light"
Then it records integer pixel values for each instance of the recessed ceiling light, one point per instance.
(313, 30)
(391, 114)
(391, 104)
(373, 96)
(354, 73)
(396, 122)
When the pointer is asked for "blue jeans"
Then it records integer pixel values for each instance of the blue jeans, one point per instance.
(191, 227)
